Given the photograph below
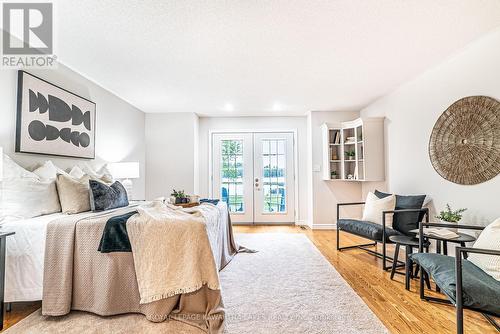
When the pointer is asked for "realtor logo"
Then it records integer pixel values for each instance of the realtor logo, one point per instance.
(27, 35)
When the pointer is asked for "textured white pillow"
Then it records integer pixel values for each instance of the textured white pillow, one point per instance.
(13, 170)
(488, 239)
(24, 195)
(47, 171)
(76, 172)
(374, 207)
(103, 174)
(27, 198)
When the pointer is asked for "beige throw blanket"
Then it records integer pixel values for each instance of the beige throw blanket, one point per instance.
(78, 277)
(172, 252)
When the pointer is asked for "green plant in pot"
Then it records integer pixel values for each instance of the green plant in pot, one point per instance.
(334, 174)
(178, 197)
(450, 216)
(350, 155)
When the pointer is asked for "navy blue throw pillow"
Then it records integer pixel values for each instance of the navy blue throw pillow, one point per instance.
(406, 221)
(104, 197)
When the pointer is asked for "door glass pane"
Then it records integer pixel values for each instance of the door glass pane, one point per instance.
(274, 180)
(232, 174)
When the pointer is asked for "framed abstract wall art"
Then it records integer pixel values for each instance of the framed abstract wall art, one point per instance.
(52, 120)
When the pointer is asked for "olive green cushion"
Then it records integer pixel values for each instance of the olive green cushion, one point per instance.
(480, 290)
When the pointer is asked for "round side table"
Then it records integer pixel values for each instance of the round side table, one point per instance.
(461, 239)
(409, 243)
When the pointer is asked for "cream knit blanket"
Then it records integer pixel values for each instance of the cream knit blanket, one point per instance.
(172, 252)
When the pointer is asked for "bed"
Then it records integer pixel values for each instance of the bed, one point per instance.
(106, 284)
(25, 256)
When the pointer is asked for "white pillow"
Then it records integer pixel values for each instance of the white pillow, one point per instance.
(27, 198)
(47, 171)
(24, 195)
(76, 172)
(13, 170)
(488, 239)
(102, 174)
(374, 207)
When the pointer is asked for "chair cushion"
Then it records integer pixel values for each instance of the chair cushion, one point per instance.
(375, 207)
(480, 290)
(366, 229)
(406, 221)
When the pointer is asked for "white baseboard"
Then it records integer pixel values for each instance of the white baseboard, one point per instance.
(324, 226)
(301, 223)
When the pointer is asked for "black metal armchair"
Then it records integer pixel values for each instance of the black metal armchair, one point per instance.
(375, 232)
(478, 292)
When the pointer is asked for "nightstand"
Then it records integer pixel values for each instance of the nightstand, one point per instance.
(3, 242)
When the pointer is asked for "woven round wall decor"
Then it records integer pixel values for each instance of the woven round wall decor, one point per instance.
(464, 147)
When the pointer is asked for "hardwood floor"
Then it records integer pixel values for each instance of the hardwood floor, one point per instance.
(401, 311)
(19, 312)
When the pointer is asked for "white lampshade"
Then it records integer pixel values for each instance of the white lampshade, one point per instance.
(124, 170)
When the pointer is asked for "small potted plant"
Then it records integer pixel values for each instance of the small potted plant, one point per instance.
(178, 197)
(334, 174)
(350, 155)
(173, 197)
(450, 216)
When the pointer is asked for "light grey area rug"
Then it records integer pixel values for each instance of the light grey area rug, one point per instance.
(287, 287)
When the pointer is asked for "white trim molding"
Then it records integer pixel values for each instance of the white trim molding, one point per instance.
(302, 223)
(324, 226)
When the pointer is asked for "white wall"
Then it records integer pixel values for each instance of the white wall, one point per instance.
(256, 123)
(119, 125)
(411, 112)
(324, 195)
(171, 153)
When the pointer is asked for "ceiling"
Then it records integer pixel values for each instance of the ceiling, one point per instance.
(262, 57)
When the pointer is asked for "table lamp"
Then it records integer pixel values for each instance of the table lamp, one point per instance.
(125, 171)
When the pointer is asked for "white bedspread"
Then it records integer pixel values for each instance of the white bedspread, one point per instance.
(24, 260)
(25, 256)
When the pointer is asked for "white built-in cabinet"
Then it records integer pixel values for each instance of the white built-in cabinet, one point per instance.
(354, 150)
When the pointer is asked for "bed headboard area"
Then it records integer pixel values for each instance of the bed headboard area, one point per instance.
(46, 189)
(117, 125)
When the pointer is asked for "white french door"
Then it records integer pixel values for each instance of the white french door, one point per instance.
(232, 168)
(254, 174)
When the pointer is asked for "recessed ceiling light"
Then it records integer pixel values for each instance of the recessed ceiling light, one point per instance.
(228, 107)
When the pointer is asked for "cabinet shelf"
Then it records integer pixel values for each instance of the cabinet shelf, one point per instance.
(366, 140)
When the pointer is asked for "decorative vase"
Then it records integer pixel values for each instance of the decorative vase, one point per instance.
(453, 229)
